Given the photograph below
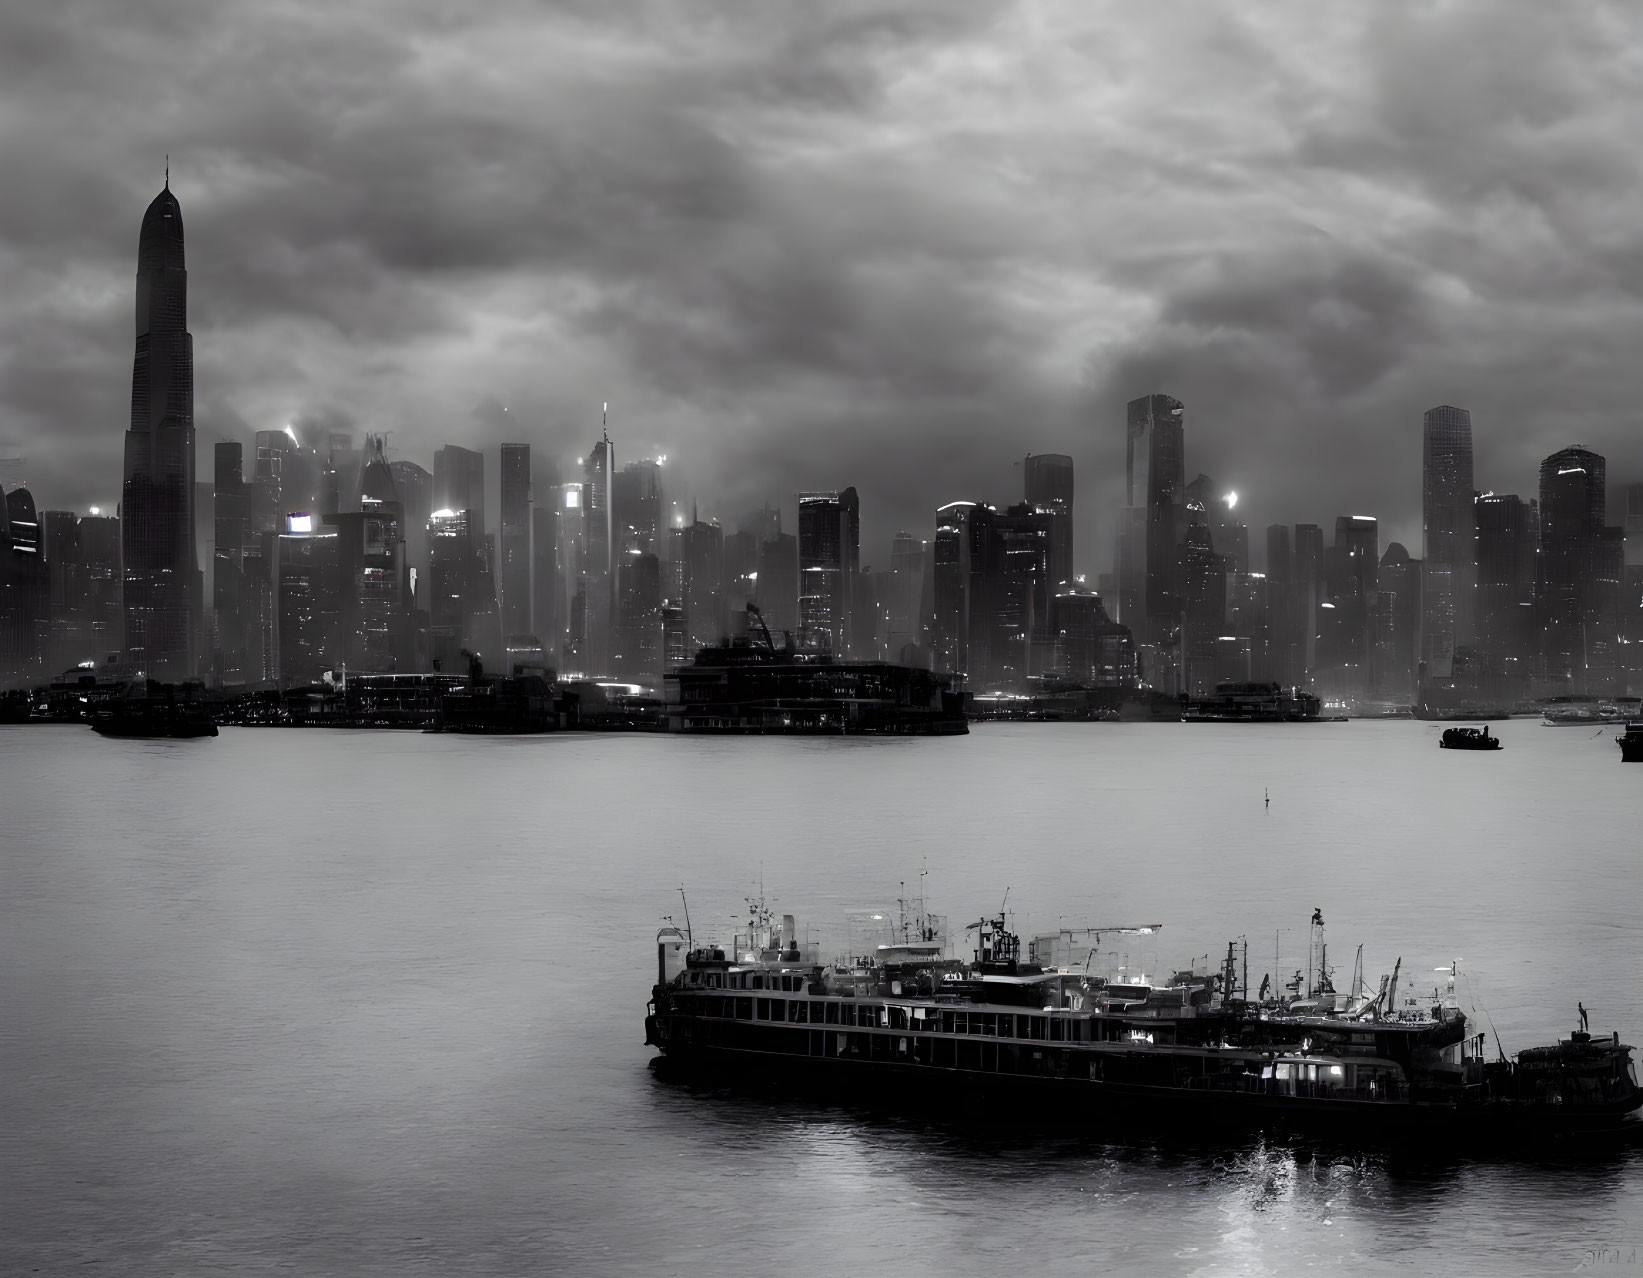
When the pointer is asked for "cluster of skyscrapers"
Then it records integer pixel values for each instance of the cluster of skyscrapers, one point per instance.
(1512, 598)
(322, 554)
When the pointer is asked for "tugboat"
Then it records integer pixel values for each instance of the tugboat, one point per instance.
(908, 1025)
(1468, 739)
(1631, 742)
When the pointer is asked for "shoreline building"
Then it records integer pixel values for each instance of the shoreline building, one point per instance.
(161, 579)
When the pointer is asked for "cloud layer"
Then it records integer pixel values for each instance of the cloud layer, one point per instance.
(893, 245)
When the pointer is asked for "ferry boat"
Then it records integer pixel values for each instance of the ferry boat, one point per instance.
(1574, 712)
(908, 1026)
(1631, 742)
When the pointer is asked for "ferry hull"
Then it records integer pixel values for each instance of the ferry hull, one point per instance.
(1058, 1104)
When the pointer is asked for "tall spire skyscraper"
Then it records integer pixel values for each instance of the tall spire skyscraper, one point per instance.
(161, 576)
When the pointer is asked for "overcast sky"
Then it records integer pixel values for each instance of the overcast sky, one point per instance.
(809, 245)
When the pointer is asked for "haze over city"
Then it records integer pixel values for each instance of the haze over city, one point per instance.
(890, 246)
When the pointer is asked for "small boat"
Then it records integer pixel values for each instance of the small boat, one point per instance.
(1468, 739)
(1572, 712)
(1631, 742)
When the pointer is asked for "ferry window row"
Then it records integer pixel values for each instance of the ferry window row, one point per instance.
(791, 982)
(878, 1016)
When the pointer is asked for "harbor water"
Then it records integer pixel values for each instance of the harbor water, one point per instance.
(326, 1002)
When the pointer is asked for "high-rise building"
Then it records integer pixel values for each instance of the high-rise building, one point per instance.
(1307, 595)
(24, 591)
(161, 577)
(415, 487)
(639, 640)
(231, 504)
(267, 481)
(515, 569)
(339, 482)
(459, 484)
(1016, 594)
(1634, 525)
(636, 507)
(600, 569)
(1573, 503)
(461, 595)
(1506, 526)
(829, 562)
(699, 558)
(908, 555)
(778, 583)
(375, 606)
(1351, 573)
(307, 601)
(1632, 600)
(1155, 482)
(1395, 625)
(1090, 648)
(1283, 633)
(1448, 542)
(1049, 491)
(1203, 599)
(950, 587)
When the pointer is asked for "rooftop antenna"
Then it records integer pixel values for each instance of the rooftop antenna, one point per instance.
(168, 170)
(604, 421)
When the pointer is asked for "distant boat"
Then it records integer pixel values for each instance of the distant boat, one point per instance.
(1468, 739)
(1631, 743)
(1573, 712)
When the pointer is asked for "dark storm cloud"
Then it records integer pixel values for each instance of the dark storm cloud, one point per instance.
(893, 245)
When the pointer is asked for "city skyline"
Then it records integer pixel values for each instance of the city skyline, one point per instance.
(789, 283)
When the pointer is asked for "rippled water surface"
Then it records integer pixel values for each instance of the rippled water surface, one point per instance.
(353, 1003)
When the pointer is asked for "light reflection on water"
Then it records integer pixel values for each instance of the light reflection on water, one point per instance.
(371, 1003)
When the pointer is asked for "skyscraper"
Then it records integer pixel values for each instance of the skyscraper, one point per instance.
(1506, 588)
(232, 535)
(1049, 491)
(161, 577)
(778, 584)
(699, 559)
(600, 582)
(950, 587)
(1573, 502)
(1395, 621)
(515, 568)
(416, 497)
(906, 627)
(307, 601)
(459, 484)
(829, 560)
(1448, 538)
(1155, 482)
